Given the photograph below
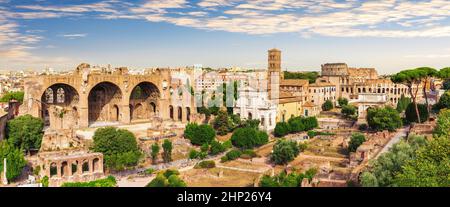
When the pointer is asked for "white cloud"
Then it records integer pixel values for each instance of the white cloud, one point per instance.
(74, 36)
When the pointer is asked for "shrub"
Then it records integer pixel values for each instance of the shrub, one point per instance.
(199, 134)
(118, 146)
(293, 179)
(328, 105)
(206, 164)
(356, 140)
(411, 116)
(15, 160)
(149, 171)
(281, 129)
(233, 154)
(311, 133)
(296, 124)
(222, 123)
(110, 181)
(348, 110)
(44, 181)
(193, 154)
(155, 151)
(25, 132)
(224, 159)
(216, 148)
(444, 101)
(384, 118)
(169, 178)
(302, 146)
(402, 103)
(248, 138)
(250, 153)
(284, 151)
(167, 150)
(204, 147)
(362, 127)
(251, 123)
(342, 101)
(227, 144)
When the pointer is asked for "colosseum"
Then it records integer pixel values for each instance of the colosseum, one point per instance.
(93, 96)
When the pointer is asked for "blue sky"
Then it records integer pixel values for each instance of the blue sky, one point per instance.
(389, 35)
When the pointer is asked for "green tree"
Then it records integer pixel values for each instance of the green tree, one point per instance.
(411, 78)
(444, 73)
(252, 123)
(402, 103)
(444, 101)
(342, 101)
(446, 84)
(310, 76)
(284, 151)
(281, 129)
(168, 178)
(25, 132)
(355, 141)
(18, 95)
(389, 164)
(118, 146)
(167, 150)
(430, 168)
(384, 118)
(222, 123)
(283, 179)
(411, 115)
(216, 148)
(348, 110)
(155, 152)
(367, 179)
(15, 161)
(443, 124)
(199, 134)
(248, 138)
(296, 124)
(328, 105)
(310, 123)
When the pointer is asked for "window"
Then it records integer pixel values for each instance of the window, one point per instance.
(49, 95)
(60, 95)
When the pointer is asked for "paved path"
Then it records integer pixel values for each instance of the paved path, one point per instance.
(397, 138)
(242, 169)
(336, 159)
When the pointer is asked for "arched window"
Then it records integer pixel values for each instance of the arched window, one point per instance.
(49, 95)
(60, 96)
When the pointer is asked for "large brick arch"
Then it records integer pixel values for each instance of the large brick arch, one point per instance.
(58, 95)
(144, 101)
(103, 99)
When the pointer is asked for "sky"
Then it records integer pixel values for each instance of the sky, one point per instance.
(390, 35)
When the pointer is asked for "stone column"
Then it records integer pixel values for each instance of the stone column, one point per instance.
(69, 168)
(124, 114)
(100, 164)
(183, 114)
(79, 168)
(83, 117)
(47, 171)
(4, 179)
(90, 162)
(58, 169)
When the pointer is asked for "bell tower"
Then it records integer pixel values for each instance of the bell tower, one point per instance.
(274, 74)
